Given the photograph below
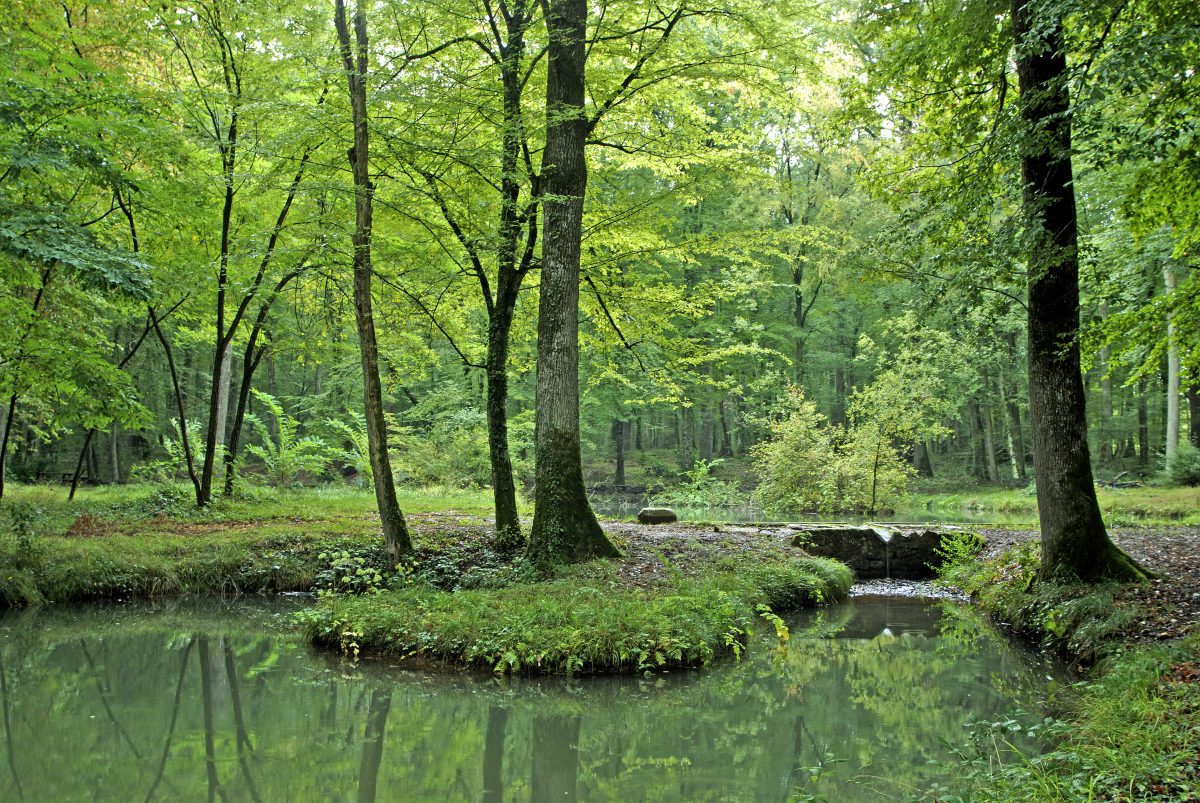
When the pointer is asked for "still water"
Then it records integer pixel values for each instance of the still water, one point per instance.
(217, 700)
(620, 508)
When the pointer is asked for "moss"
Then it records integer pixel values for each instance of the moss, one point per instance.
(588, 621)
(1081, 622)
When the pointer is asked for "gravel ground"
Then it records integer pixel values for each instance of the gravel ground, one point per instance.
(1172, 603)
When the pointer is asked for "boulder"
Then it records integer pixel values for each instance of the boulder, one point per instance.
(657, 515)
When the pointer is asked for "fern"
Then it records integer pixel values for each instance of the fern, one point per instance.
(353, 433)
(289, 453)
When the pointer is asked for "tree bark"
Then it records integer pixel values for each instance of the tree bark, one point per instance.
(1143, 425)
(1013, 409)
(564, 527)
(223, 399)
(1075, 543)
(251, 357)
(179, 405)
(1193, 397)
(1106, 399)
(687, 438)
(114, 454)
(989, 441)
(9, 415)
(1172, 427)
(354, 60)
(618, 437)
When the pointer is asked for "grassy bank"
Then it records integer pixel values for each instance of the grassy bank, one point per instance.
(139, 541)
(1121, 506)
(677, 604)
(585, 620)
(1128, 731)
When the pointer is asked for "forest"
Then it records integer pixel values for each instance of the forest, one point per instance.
(387, 301)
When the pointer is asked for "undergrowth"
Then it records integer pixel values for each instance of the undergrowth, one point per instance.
(586, 621)
(1127, 732)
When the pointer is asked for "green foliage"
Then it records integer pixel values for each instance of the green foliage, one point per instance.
(350, 571)
(1184, 466)
(1079, 621)
(810, 466)
(1129, 735)
(24, 526)
(174, 466)
(356, 451)
(699, 488)
(959, 550)
(444, 443)
(288, 454)
(584, 623)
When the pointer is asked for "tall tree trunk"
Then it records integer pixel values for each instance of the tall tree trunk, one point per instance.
(1143, 419)
(504, 487)
(618, 437)
(1075, 543)
(687, 438)
(251, 357)
(921, 459)
(726, 435)
(564, 527)
(179, 405)
(1172, 426)
(10, 413)
(978, 446)
(510, 273)
(1193, 397)
(223, 400)
(837, 416)
(707, 435)
(114, 454)
(989, 438)
(354, 60)
(1106, 399)
(1013, 408)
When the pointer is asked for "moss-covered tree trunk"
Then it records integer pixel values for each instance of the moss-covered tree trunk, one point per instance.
(354, 60)
(1075, 543)
(564, 527)
(510, 273)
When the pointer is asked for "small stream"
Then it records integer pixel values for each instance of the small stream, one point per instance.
(217, 699)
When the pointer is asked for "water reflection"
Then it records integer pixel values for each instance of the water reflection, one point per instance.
(218, 701)
(623, 508)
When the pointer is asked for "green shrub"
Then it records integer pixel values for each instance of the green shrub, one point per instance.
(810, 466)
(1184, 466)
(701, 489)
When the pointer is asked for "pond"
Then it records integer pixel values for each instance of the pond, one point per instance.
(625, 508)
(218, 700)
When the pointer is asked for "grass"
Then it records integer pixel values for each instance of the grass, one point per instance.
(584, 621)
(1145, 505)
(1127, 732)
(143, 540)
